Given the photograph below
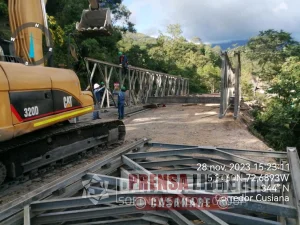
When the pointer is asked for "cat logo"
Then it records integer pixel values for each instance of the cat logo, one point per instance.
(68, 102)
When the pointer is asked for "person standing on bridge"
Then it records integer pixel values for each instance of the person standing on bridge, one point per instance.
(101, 93)
(123, 62)
(97, 91)
(121, 102)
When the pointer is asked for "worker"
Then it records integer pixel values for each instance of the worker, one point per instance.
(97, 91)
(102, 86)
(123, 62)
(121, 102)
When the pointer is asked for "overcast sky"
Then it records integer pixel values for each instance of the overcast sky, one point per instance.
(216, 20)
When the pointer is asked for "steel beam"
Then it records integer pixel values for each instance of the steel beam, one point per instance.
(163, 153)
(237, 86)
(133, 165)
(228, 85)
(179, 218)
(155, 219)
(224, 88)
(116, 181)
(208, 217)
(85, 214)
(206, 150)
(238, 219)
(294, 164)
(27, 215)
(269, 208)
(129, 221)
(16, 206)
(169, 163)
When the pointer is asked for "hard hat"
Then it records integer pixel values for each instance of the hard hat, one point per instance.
(96, 86)
(120, 53)
(123, 88)
(102, 83)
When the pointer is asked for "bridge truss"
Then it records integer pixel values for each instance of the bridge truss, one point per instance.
(140, 83)
(230, 85)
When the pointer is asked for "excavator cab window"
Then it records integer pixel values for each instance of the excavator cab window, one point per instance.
(6, 55)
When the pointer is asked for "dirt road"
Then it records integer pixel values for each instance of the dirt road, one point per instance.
(191, 125)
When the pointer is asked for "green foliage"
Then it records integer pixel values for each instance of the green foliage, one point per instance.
(273, 56)
(171, 53)
(174, 30)
(247, 90)
(3, 9)
(4, 28)
(57, 32)
(210, 75)
(270, 49)
(275, 124)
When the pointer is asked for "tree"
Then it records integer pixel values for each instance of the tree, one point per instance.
(174, 30)
(171, 53)
(270, 49)
(210, 76)
(196, 40)
(273, 56)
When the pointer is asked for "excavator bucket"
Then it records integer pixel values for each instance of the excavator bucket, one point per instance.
(95, 20)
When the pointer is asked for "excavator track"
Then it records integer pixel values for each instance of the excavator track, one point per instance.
(29, 152)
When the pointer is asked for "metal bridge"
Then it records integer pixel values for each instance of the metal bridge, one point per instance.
(141, 83)
(144, 84)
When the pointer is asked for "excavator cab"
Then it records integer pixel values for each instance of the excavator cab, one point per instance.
(95, 20)
(6, 55)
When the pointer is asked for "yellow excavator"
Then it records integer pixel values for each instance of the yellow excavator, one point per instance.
(37, 102)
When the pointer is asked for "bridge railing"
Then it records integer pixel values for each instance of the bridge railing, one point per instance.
(230, 85)
(140, 83)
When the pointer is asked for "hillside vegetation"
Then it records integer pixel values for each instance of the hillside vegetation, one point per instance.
(172, 53)
(273, 59)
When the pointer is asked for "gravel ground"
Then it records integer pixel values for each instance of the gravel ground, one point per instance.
(192, 125)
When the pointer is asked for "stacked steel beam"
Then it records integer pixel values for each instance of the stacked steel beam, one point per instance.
(120, 189)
